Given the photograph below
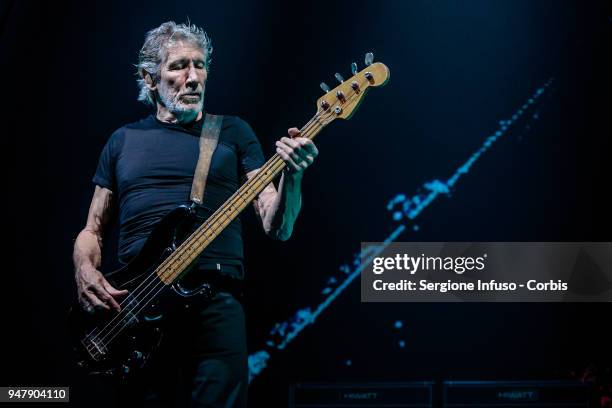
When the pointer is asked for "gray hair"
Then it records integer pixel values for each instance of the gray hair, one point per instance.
(156, 42)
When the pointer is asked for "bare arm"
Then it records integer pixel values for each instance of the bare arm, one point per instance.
(278, 210)
(93, 289)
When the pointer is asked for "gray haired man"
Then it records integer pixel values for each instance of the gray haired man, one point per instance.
(145, 170)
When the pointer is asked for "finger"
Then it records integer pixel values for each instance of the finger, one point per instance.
(305, 155)
(287, 159)
(106, 297)
(98, 290)
(305, 163)
(308, 145)
(87, 307)
(300, 156)
(301, 147)
(292, 165)
(291, 143)
(112, 291)
(289, 150)
(95, 302)
(293, 132)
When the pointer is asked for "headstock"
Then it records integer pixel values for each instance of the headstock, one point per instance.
(343, 100)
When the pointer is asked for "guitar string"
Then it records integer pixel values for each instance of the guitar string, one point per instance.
(160, 284)
(221, 212)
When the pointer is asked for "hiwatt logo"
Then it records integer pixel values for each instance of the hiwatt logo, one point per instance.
(518, 395)
(359, 395)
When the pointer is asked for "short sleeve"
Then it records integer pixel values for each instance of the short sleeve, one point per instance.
(105, 175)
(251, 154)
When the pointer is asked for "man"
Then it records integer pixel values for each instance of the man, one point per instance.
(145, 170)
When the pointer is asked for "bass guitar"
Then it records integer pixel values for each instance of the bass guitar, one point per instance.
(120, 343)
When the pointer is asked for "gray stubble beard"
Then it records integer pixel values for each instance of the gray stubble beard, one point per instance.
(175, 107)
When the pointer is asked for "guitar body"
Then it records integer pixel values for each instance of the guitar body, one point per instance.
(118, 344)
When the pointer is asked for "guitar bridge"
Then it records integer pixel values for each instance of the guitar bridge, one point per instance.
(95, 348)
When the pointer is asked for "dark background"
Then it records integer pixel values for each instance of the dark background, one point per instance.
(457, 68)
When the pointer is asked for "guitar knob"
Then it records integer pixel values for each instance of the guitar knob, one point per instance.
(136, 355)
(339, 77)
(369, 58)
(354, 68)
(324, 87)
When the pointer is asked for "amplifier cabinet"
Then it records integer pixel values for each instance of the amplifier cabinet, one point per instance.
(515, 394)
(384, 395)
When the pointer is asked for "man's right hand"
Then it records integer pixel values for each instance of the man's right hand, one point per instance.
(95, 293)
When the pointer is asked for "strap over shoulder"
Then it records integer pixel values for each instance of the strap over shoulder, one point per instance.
(208, 142)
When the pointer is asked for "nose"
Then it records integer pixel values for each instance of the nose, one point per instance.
(192, 78)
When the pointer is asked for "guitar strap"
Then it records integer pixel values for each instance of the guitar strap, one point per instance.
(208, 142)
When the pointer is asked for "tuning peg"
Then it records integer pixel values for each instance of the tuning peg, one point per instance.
(324, 87)
(354, 68)
(369, 58)
(339, 77)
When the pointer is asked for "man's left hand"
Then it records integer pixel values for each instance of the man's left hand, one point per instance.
(297, 152)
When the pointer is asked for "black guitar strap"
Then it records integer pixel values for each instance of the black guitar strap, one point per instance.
(208, 142)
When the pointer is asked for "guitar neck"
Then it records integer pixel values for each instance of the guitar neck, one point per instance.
(340, 102)
(187, 253)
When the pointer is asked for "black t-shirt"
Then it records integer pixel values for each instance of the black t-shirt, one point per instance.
(149, 166)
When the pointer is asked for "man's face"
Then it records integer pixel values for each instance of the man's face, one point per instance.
(182, 78)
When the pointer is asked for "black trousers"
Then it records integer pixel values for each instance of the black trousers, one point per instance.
(202, 361)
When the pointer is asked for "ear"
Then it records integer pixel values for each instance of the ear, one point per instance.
(149, 81)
